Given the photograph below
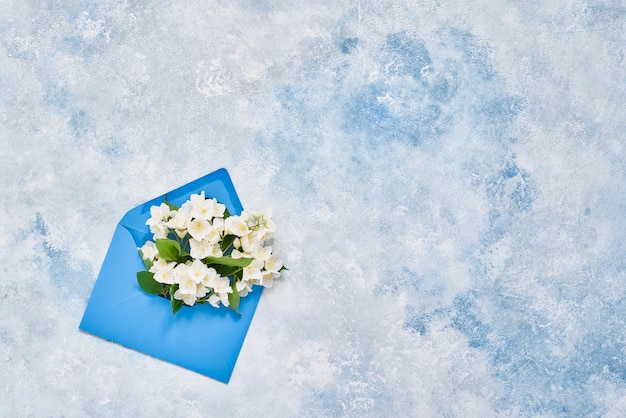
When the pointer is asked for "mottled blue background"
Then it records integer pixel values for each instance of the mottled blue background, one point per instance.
(448, 180)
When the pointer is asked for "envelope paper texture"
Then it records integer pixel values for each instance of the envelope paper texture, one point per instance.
(201, 338)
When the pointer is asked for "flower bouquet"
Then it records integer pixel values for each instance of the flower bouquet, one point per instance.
(201, 253)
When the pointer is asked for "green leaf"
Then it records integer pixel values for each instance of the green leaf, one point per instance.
(147, 263)
(225, 270)
(176, 304)
(226, 213)
(148, 284)
(283, 268)
(228, 261)
(233, 298)
(168, 249)
(172, 289)
(227, 241)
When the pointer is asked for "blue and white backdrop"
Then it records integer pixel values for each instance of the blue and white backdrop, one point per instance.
(448, 178)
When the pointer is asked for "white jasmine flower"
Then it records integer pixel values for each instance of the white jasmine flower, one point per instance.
(245, 215)
(187, 206)
(202, 208)
(149, 251)
(198, 271)
(187, 298)
(235, 225)
(273, 264)
(201, 291)
(217, 251)
(222, 285)
(180, 220)
(218, 225)
(159, 230)
(200, 248)
(210, 277)
(243, 287)
(260, 220)
(158, 264)
(218, 209)
(262, 253)
(199, 228)
(214, 300)
(267, 278)
(213, 235)
(221, 288)
(180, 272)
(252, 272)
(186, 285)
(158, 214)
(249, 242)
(164, 272)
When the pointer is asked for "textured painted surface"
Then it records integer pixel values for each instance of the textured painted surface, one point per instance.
(448, 179)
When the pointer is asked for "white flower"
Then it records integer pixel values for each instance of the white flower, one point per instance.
(200, 249)
(252, 272)
(222, 285)
(251, 247)
(188, 298)
(267, 278)
(201, 291)
(187, 206)
(210, 277)
(202, 208)
(218, 210)
(199, 228)
(249, 242)
(218, 224)
(180, 220)
(186, 285)
(222, 288)
(235, 225)
(158, 264)
(198, 271)
(164, 272)
(149, 251)
(213, 235)
(262, 253)
(273, 264)
(243, 287)
(260, 220)
(158, 214)
(217, 251)
(180, 272)
(159, 230)
(214, 300)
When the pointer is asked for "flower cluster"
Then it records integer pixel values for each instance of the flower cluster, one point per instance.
(201, 253)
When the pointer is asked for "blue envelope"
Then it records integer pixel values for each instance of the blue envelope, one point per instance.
(201, 338)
